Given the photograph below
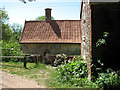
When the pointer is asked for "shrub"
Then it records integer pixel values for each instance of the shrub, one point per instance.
(59, 59)
(111, 79)
(75, 74)
(73, 71)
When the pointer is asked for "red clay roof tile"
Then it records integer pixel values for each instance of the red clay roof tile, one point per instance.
(55, 31)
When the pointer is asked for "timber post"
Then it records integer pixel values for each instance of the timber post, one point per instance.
(25, 61)
(37, 59)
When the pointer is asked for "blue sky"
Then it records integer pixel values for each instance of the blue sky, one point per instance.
(61, 9)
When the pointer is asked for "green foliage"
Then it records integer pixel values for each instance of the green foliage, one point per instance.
(4, 17)
(10, 36)
(17, 31)
(111, 79)
(73, 72)
(11, 48)
(108, 79)
(97, 69)
(59, 59)
(43, 18)
(6, 31)
(102, 40)
(105, 34)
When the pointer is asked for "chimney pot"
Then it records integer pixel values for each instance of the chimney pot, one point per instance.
(48, 14)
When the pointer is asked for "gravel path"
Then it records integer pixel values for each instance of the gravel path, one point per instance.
(15, 81)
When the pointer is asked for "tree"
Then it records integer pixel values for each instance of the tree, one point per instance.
(4, 17)
(17, 31)
(10, 36)
(12, 47)
(6, 31)
(43, 18)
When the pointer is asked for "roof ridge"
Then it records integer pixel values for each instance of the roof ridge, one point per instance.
(49, 20)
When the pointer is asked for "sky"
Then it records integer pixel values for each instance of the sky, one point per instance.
(18, 12)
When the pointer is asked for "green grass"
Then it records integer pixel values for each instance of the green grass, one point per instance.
(45, 75)
(41, 73)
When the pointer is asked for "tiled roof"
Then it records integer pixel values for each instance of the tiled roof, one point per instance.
(55, 31)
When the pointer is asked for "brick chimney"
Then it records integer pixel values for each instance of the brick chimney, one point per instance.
(48, 14)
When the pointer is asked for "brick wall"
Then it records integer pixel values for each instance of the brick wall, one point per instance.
(86, 31)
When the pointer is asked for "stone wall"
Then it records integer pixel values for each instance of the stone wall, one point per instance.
(69, 49)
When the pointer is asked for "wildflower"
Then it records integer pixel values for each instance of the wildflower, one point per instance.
(69, 58)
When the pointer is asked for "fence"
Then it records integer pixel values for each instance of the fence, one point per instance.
(35, 57)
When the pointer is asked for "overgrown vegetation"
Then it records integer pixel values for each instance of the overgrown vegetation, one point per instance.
(110, 79)
(75, 73)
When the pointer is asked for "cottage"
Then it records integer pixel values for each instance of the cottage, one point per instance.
(77, 37)
(51, 37)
